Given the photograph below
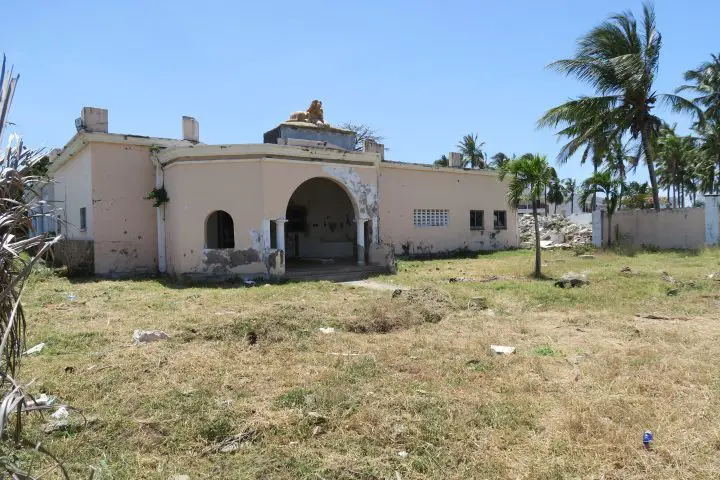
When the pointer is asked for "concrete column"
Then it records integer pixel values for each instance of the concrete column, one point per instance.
(361, 241)
(280, 233)
(712, 212)
(597, 227)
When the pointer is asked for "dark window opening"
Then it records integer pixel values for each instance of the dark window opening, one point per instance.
(220, 230)
(83, 219)
(296, 219)
(500, 219)
(58, 225)
(477, 220)
(273, 235)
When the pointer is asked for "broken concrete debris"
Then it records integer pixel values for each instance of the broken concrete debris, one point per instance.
(327, 329)
(572, 280)
(502, 349)
(234, 442)
(37, 348)
(147, 336)
(556, 231)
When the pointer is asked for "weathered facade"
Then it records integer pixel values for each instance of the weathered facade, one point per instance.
(257, 209)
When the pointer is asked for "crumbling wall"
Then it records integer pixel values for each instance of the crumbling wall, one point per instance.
(76, 255)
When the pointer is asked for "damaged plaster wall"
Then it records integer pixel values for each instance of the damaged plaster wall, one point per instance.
(124, 222)
(365, 195)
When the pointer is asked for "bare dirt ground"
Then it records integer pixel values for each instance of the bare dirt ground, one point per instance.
(406, 387)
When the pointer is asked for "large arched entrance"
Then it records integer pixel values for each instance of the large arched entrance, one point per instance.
(321, 225)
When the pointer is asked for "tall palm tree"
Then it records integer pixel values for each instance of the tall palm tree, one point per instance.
(529, 175)
(677, 155)
(471, 151)
(608, 184)
(569, 185)
(620, 61)
(706, 85)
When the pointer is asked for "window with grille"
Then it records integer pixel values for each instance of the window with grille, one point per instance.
(500, 222)
(477, 221)
(431, 217)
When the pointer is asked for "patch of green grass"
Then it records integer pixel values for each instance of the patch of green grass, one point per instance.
(546, 351)
(504, 414)
(294, 398)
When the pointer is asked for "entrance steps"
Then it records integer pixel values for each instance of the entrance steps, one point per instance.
(334, 273)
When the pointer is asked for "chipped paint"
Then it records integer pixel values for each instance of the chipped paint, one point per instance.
(229, 262)
(364, 195)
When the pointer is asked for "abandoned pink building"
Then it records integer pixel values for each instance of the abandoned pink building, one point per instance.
(129, 204)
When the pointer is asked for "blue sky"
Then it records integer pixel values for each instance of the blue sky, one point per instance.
(421, 73)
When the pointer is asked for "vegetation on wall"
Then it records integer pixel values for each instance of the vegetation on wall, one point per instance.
(159, 196)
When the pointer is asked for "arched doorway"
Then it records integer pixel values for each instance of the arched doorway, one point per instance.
(321, 224)
(219, 230)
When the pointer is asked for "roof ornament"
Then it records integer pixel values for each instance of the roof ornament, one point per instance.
(314, 114)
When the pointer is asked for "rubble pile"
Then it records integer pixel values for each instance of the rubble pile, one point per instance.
(556, 231)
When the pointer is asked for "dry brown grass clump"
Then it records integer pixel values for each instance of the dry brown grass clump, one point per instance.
(402, 310)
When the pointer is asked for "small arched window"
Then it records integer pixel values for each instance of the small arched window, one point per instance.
(219, 230)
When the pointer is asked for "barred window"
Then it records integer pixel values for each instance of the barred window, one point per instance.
(431, 217)
(477, 220)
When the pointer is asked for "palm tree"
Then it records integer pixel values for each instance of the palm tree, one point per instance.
(499, 159)
(569, 185)
(609, 184)
(635, 195)
(555, 194)
(529, 175)
(620, 61)
(443, 161)
(471, 151)
(677, 155)
(706, 84)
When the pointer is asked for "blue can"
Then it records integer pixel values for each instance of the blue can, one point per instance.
(647, 438)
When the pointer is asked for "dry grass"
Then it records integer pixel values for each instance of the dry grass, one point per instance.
(587, 378)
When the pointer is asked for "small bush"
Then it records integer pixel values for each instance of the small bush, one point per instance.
(546, 351)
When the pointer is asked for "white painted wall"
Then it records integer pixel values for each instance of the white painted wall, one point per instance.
(72, 191)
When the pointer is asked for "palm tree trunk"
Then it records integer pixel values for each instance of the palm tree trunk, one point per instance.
(593, 204)
(609, 229)
(651, 169)
(572, 203)
(668, 194)
(537, 240)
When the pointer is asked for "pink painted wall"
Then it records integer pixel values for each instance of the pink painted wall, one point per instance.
(404, 188)
(124, 225)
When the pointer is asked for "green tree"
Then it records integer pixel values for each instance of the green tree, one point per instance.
(555, 194)
(706, 85)
(608, 184)
(499, 159)
(471, 150)
(620, 60)
(569, 185)
(529, 175)
(443, 161)
(637, 195)
(677, 156)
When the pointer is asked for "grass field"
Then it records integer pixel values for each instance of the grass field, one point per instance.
(406, 387)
